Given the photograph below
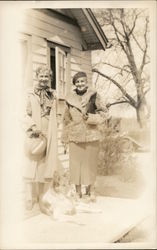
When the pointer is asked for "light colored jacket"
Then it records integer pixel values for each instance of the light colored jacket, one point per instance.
(33, 117)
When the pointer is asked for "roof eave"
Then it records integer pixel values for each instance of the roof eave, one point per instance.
(93, 46)
(96, 27)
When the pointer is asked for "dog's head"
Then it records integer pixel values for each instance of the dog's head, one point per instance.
(45, 203)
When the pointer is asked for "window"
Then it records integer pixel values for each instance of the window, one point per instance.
(53, 67)
(59, 61)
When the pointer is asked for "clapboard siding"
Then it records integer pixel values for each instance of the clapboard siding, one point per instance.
(74, 71)
(39, 58)
(56, 23)
(82, 67)
(76, 52)
(42, 27)
(36, 65)
(80, 60)
(83, 57)
(50, 36)
(38, 49)
(39, 41)
(56, 30)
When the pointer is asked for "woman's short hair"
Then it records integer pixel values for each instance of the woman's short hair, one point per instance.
(44, 68)
(78, 75)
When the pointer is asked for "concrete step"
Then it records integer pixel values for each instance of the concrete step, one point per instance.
(118, 217)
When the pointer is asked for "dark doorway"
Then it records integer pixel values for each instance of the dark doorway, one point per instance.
(53, 67)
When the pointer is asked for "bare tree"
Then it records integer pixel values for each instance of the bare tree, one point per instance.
(128, 31)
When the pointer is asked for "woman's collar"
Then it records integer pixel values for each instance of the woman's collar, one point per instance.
(81, 92)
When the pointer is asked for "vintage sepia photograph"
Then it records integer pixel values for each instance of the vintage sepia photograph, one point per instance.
(78, 125)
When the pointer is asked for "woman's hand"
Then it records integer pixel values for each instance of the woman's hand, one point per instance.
(85, 116)
(34, 132)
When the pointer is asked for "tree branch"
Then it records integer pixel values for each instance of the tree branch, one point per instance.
(138, 44)
(112, 22)
(131, 100)
(116, 67)
(116, 33)
(134, 24)
(127, 81)
(146, 47)
(123, 25)
(131, 60)
(127, 49)
(146, 91)
(114, 103)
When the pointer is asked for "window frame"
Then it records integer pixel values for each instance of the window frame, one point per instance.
(64, 50)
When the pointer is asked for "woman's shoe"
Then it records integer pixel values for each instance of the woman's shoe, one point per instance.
(78, 196)
(88, 190)
(86, 199)
(92, 197)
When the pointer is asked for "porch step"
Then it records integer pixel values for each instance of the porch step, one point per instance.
(118, 217)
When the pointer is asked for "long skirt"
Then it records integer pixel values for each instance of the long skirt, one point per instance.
(83, 160)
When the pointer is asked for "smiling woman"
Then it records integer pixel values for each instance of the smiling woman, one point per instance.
(40, 124)
(80, 81)
(83, 114)
(43, 75)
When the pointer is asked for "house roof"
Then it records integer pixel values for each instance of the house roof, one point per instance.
(92, 32)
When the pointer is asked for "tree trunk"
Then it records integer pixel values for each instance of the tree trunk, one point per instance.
(139, 117)
(141, 114)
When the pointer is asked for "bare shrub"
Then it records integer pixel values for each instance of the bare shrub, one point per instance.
(115, 157)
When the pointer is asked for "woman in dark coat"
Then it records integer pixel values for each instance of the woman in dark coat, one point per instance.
(82, 117)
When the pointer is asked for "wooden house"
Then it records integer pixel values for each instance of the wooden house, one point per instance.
(63, 39)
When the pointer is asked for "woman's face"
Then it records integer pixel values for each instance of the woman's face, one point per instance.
(43, 78)
(81, 83)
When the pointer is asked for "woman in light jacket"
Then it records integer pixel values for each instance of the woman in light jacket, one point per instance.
(82, 117)
(40, 121)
